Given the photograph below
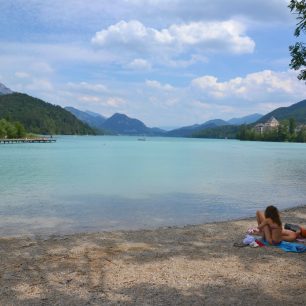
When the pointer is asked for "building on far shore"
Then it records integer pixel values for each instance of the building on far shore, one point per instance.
(269, 125)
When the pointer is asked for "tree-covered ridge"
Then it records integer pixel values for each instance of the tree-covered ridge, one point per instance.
(221, 132)
(296, 111)
(40, 117)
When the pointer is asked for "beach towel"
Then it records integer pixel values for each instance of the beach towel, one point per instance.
(289, 246)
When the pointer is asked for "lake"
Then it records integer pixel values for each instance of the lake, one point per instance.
(96, 183)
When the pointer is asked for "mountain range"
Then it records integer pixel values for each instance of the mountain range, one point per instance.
(116, 124)
(122, 124)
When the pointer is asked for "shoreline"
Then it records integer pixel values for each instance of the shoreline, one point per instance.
(149, 228)
(194, 264)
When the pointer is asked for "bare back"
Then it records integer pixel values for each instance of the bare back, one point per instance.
(276, 230)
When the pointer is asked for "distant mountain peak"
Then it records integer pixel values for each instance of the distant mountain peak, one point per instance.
(5, 90)
(246, 119)
(123, 124)
(94, 120)
(119, 115)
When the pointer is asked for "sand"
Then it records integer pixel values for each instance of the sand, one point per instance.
(193, 265)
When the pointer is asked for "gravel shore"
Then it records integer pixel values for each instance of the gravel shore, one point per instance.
(193, 265)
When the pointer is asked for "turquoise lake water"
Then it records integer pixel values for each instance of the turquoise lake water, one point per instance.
(84, 184)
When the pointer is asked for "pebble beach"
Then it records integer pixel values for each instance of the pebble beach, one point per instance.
(191, 265)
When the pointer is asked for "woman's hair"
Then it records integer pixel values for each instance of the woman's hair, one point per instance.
(272, 213)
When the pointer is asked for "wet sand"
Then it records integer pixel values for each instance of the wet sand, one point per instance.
(193, 265)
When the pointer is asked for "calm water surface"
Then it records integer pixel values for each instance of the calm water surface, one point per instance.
(103, 183)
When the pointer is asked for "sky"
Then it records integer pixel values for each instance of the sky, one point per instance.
(169, 63)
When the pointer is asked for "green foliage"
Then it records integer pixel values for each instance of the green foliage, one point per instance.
(11, 130)
(298, 51)
(246, 133)
(286, 131)
(292, 126)
(39, 117)
(20, 130)
(301, 135)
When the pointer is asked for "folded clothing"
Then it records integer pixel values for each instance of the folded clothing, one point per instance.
(292, 227)
(248, 239)
(252, 242)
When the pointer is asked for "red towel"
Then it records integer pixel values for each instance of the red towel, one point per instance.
(259, 243)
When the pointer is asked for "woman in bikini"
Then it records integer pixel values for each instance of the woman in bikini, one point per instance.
(270, 225)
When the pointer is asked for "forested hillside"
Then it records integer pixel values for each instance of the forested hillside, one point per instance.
(296, 111)
(220, 132)
(40, 117)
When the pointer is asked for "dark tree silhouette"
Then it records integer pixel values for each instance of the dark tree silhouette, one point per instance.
(298, 50)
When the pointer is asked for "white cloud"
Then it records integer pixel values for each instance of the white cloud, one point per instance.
(252, 87)
(139, 64)
(95, 87)
(90, 99)
(39, 85)
(212, 36)
(114, 102)
(133, 36)
(185, 63)
(157, 85)
(122, 33)
(22, 75)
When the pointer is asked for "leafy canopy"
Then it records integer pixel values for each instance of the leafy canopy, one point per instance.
(298, 51)
(11, 129)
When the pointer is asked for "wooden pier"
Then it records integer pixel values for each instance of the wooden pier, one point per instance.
(28, 140)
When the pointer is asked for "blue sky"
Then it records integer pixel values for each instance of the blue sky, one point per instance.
(167, 63)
